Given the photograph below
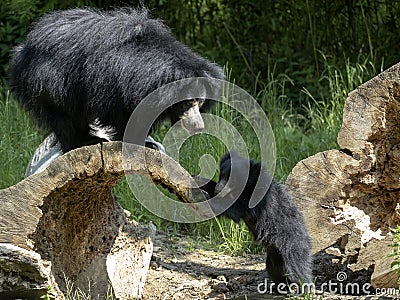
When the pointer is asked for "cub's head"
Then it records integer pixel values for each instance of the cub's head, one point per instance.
(236, 174)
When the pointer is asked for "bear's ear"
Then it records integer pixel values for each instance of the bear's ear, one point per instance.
(224, 158)
(228, 156)
(234, 158)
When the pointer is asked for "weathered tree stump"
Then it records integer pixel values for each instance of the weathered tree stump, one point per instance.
(350, 197)
(65, 223)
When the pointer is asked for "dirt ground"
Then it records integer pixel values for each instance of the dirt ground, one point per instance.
(178, 271)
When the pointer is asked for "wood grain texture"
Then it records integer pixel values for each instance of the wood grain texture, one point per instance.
(68, 216)
(350, 197)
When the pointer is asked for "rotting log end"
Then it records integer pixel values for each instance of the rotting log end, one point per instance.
(350, 197)
(67, 216)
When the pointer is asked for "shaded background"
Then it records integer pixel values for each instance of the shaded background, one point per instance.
(250, 37)
(299, 59)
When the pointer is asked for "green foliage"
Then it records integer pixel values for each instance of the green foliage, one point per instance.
(299, 59)
(75, 293)
(297, 136)
(49, 295)
(16, 17)
(19, 136)
(236, 238)
(395, 253)
(247, 35)
(294, 65)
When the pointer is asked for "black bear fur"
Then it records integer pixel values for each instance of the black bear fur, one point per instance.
(275, 222)
(81, 67)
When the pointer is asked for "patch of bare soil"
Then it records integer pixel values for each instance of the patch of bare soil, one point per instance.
(178, 271)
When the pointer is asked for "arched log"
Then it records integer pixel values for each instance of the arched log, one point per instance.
(64, 223)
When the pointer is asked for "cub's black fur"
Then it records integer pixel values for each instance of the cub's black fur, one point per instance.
(275, 221)
(84, 67)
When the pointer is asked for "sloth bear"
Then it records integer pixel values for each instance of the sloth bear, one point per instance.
(81, 68)
(275, 222)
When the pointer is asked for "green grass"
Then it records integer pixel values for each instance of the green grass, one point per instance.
(395, 253)
(74, 293)
(299, 131)
(19, 137)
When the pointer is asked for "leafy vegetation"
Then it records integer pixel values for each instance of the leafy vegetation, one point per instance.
(297, 136)
(75, 293)
(19, 137)
(49, 295)
(395, 254)
(299, 59)
(249, 34)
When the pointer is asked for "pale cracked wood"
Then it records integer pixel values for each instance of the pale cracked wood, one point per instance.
(67, 216)
(23, 274)
(350, 197)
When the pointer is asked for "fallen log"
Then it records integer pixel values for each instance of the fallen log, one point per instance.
(350, 197)
(64, 225)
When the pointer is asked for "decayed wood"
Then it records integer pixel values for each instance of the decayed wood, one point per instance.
(350, 197)
(19, 269)
(68, 216)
